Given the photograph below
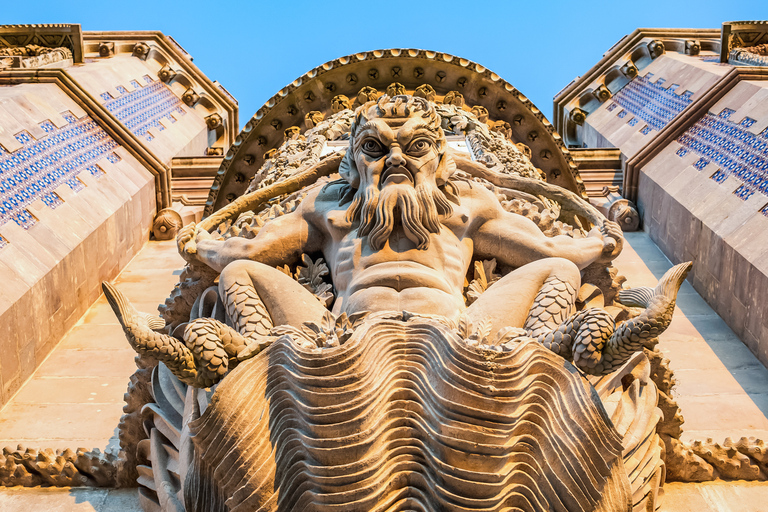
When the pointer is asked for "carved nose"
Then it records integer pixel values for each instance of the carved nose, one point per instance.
(395, 158)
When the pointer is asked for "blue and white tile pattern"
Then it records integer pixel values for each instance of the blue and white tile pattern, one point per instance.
(650, 102)
(33, 171)
(732, 147)
(144, 107)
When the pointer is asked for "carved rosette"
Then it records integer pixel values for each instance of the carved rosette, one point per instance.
(166, 224)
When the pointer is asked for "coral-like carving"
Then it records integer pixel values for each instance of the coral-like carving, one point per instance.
(61, 468)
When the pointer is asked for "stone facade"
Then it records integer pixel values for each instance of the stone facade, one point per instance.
(691, 124)
(91, 124)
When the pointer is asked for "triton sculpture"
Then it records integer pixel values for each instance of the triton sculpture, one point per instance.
(408, 393)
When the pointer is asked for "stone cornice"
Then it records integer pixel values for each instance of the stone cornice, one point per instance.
(49, 35)
(346, 75)
(170, 52)
(673, 40)
(105, 119)
(682, 122)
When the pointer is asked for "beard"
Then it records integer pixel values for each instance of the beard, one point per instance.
(416, 208)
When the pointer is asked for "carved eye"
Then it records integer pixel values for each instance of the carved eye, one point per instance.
(419, 147)
(372, 147)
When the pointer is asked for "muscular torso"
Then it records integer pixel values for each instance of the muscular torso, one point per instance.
(398, 277)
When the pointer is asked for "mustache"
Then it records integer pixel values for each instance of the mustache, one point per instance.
(416, 208)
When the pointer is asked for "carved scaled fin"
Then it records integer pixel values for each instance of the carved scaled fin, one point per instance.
(598, 347)
(672, 280)
(639, 297)
(668, 286)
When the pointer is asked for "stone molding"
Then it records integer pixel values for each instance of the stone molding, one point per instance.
(681, 123)
(379, 69)
(615, 63)
(64, 35)
(740, 34)
(104, 118)
(170, 54)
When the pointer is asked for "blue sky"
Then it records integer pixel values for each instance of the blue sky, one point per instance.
(256, 48)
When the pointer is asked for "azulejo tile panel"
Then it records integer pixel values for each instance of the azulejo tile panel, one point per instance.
(33, 171)
(650, 102)
(732, 147)
(144, 107)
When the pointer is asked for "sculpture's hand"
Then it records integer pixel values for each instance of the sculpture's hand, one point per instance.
(187, 239)
(613, 240)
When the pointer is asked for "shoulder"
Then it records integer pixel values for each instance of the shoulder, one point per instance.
(480, 201)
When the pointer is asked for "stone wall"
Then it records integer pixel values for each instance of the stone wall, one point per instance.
(76, 207)
(703, 198)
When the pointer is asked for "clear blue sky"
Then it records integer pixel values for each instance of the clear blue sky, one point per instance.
(256, 48)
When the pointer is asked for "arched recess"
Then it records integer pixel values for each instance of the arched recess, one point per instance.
(412, 68)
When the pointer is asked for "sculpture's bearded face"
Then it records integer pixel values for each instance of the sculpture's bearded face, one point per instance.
(397, 163)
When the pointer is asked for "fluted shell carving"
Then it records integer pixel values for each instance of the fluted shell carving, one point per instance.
(405, 416)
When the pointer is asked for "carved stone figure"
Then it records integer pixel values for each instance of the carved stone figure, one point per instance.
(402, 395)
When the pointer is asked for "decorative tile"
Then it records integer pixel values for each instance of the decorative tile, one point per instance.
(69, 117)
(681, 152)
(52, 199)
(75, 184)
(36, 169)
(106, 96)
(632, 122)
(747, 122)
(95, 171)
(673, 87)
(113, 157)
(726, 113)
(622, 114)
(3, 242)
(135, 84)
(47, 126)
(687, 95)
(148, 79)
(735, 150)
(24, 137)
(701, 164)
(24, 219)
(743, 192)
(646, 130)
(121, 89)
(764, 210)
(612, 107)
(143, 108)
(661, 81)
(719, 176)
(650, 102)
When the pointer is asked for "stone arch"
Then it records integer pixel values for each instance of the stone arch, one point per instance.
(314, 90)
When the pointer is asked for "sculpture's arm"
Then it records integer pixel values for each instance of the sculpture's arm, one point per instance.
(279, 241)
(515, 240)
